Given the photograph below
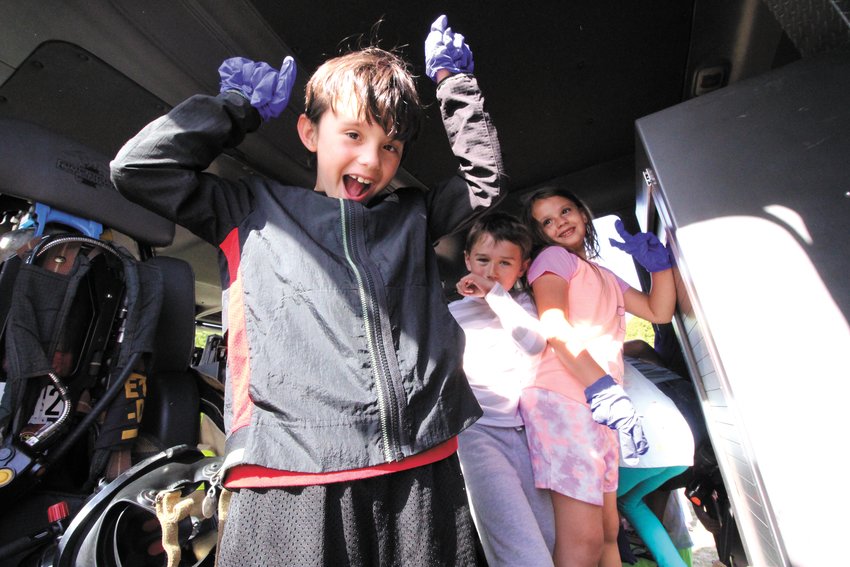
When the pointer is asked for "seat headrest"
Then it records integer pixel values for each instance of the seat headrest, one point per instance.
(175, 332)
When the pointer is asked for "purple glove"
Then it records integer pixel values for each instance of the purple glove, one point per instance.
(611, 406)
(644, 247)
(266, 88)
(447, 50)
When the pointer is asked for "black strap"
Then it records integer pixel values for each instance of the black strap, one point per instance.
(8, 273)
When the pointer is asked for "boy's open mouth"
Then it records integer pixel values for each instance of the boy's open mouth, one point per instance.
(356, 186)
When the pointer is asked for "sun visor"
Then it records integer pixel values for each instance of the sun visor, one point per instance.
(42, 166)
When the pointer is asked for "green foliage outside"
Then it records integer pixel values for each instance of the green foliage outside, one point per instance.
(638, 328)
(201, 334)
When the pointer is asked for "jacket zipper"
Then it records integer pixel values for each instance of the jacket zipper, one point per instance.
(387, 396)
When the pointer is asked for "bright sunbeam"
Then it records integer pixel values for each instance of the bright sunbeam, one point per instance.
(790, 218)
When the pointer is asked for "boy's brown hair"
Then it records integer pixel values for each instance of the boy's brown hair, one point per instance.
(379, 81)
(503, 227)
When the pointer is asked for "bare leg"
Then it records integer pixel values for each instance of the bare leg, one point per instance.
(611, 527)
(579, 534)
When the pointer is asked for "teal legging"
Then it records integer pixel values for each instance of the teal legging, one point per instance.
(633, 486)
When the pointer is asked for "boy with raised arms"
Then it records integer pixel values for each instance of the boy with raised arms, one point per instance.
(345, 386)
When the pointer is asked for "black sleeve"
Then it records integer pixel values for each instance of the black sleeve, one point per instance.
(480, 179)
(162, 167)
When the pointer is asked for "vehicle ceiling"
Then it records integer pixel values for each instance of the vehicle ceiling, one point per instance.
(564, 81)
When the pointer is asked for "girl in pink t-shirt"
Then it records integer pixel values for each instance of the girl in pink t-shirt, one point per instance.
(576, 407)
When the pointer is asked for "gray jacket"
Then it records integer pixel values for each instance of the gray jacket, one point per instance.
(342, 353)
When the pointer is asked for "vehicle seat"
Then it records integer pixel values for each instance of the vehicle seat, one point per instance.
(211, 360)
(172, 404)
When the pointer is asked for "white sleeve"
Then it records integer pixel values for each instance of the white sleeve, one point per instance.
(520, 320)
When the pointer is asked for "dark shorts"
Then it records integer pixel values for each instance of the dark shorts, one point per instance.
(417, 517)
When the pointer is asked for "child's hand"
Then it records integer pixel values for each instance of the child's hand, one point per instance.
(471, 285)
(446, 50)
(610, 405)
(643, 247)
(266, 88)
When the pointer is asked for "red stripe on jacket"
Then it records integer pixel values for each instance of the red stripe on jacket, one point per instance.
(237, 337)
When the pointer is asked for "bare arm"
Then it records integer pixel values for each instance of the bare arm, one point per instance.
(658, 305)
(550, 293)
(442, 74)
(609, 403)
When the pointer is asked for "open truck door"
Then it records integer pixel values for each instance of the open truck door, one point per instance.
(751, 186)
